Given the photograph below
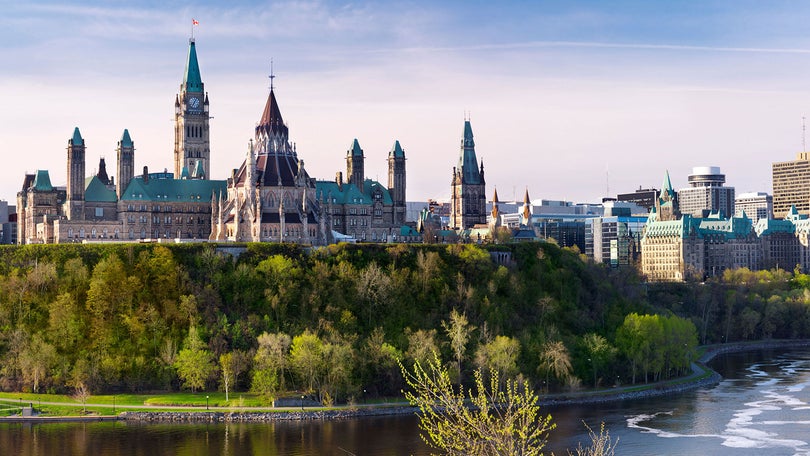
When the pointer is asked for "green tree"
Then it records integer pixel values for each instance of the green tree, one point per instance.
(499, 355)
(599, 351)
(306, 358)
(485, 420)
(194, 363)
(270, 362)
(421, 345)
(36, 360)
(226, 370)
(458, 330)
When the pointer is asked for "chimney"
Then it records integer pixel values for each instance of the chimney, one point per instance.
(339, 179)
(145, 174)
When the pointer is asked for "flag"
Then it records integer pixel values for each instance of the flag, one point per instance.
(195, 22)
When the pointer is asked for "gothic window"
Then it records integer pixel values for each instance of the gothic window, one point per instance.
(93, 233)
(81, 233)
(131, 233)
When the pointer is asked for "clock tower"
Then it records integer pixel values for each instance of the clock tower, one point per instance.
(192, 153)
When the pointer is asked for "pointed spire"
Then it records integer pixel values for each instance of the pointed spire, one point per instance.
(396, 151)
(467, 161)
(526, 199)
(355, 150)
(271, 120)
(102, 172)
(192, 82)
(77, 138)
(468, 134)
(666, 186)
(495, 197)
(126, 141)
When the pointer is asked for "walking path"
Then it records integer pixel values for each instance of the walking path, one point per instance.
(701, 376)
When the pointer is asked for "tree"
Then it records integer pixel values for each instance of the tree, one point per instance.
(555, 360)
(226, 369)
(36, 360)
(81, 394)
(499, 355)
(306, 357)
(421, 345)
(484, 420)
(458, 330)
(194, 363)
(269, 363)
(600, 352)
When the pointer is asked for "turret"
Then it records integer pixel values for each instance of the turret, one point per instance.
(125, 163)
(396, 181)
(355, 164)
(75, 176)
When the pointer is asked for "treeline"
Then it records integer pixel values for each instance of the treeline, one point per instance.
(334, 321)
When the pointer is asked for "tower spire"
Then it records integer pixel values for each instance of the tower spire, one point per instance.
(272, 75)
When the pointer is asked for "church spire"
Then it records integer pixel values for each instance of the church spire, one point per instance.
(192, 81)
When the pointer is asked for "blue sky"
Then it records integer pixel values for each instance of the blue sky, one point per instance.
(574, 100)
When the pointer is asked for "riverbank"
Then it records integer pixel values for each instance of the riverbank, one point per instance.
(702, 376)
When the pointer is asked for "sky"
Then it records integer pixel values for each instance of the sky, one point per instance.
(572, 100)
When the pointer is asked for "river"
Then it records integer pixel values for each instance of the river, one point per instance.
(762, 407)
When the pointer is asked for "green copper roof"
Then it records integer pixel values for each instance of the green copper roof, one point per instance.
(126, 141)
(351, 194)
(96, 191)
(766, 227)
(468, 134)
(161, 187)
(467, 162)
(397, 151)
(77, 137)
(184, 173)
(42, 182)
(355, 149)
(192, 80)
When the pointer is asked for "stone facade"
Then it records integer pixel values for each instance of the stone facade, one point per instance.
(468, 201)
(150, 206)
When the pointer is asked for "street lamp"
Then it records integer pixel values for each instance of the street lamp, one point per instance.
(206, 402)
(302, 402)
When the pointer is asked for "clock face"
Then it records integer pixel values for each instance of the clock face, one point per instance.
(194, 103)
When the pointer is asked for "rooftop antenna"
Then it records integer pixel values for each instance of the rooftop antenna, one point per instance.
(272, 76)
(804, 134)
(607, 180)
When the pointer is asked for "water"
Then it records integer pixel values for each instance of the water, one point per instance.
(762, 408)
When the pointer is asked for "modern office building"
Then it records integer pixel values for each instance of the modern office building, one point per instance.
(791, 185)
(644, 197)
(706, 193)
(756, 205)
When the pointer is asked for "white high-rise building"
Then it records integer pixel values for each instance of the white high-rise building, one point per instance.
(756, 205)
(706, 193)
